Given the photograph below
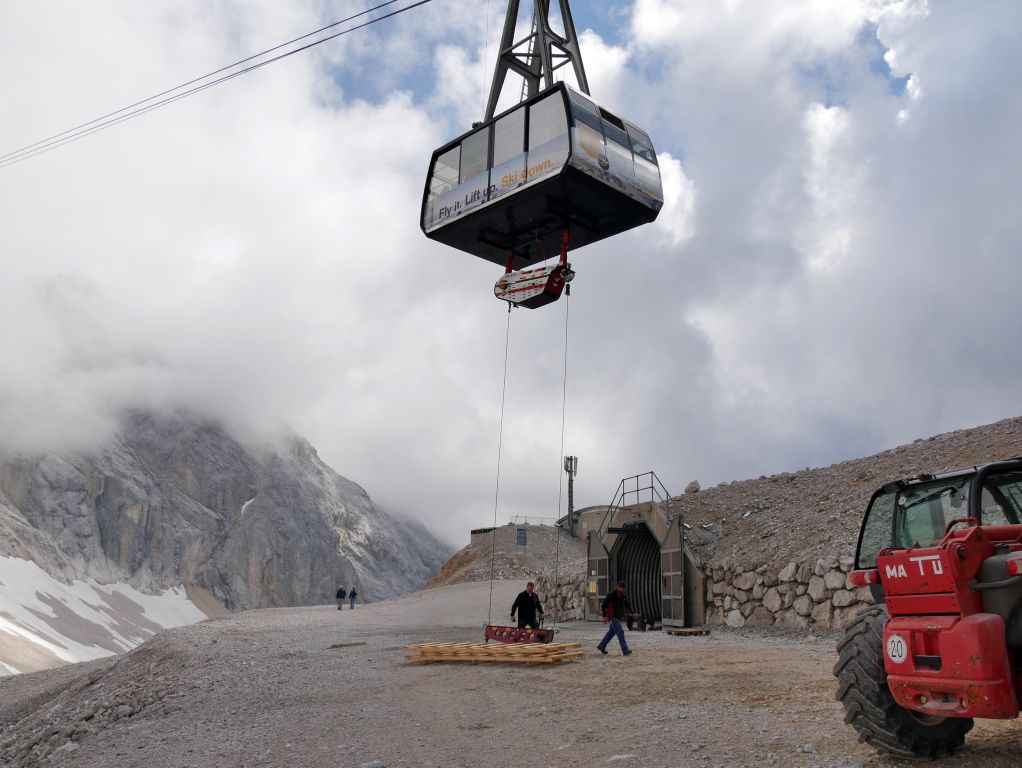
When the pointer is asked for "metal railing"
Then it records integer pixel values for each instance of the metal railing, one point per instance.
(532, 520)
(632, 490)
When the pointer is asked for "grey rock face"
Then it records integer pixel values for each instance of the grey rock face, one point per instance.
(175, 500)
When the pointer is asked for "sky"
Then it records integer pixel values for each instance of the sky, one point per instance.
(833, 273)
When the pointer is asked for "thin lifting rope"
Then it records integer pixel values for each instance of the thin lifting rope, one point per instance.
(500, 443)
(135, 110)
(564, 400)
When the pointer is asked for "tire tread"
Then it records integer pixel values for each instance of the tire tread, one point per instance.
(871, 709)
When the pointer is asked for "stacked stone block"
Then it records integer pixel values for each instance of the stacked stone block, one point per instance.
(562, 599)
(798, 596)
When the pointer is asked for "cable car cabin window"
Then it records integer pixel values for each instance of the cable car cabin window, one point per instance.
(647, 173)
(473, 155)
(588, 143)
(618, 150)
(548, 137)
(442, 183)
(614, 128)
(475, 178)
(640, 144)
(509, 171)
(584, 111)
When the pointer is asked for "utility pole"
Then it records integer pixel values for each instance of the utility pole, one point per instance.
(571, 467)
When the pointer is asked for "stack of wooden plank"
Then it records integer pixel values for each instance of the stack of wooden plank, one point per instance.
(688, 632)
(522, 653)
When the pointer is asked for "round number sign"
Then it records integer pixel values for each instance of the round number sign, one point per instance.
(897, 649)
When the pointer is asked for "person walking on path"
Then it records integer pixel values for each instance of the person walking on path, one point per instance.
(341, 594)
(527, 605)
(614, 608)
(352, 595)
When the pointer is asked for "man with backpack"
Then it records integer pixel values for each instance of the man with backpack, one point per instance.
(341, 594)
(614, 609)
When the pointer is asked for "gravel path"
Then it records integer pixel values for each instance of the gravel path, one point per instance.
(264, 688)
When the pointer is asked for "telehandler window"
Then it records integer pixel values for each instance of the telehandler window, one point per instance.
(1002, 499)
(923, 512)
(876, 530)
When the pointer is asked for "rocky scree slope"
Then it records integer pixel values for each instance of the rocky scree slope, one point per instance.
(177, 500)
(550, 551)
(816, 513)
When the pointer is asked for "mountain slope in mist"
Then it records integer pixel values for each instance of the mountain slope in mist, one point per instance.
(176, 500)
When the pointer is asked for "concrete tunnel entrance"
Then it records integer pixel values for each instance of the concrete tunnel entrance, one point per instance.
(643, 546)
(636, 560)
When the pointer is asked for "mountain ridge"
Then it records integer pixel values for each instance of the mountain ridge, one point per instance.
(174, 499)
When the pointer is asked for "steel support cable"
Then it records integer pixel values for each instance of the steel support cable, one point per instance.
(199, 79)
(500, 444)
(108, 121)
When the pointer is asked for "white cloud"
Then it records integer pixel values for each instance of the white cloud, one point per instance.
(823, 281)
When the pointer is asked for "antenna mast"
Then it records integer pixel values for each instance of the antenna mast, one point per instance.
(533, 56)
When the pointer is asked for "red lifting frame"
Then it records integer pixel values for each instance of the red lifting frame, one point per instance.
(518, 635)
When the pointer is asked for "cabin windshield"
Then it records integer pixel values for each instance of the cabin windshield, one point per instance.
(915, 516)
(924, 511)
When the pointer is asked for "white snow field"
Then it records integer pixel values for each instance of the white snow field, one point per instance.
(45, 623)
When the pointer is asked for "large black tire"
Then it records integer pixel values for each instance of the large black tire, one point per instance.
(870, 708)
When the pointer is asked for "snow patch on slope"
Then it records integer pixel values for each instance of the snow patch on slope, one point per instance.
(79, 621)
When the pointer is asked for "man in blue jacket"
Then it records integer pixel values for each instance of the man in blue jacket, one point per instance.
(614, 608)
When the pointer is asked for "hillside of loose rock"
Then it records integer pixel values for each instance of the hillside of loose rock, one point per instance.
(815, 513)
(548, 550)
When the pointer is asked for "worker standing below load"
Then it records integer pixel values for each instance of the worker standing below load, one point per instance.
(614, 608)
(528, 606)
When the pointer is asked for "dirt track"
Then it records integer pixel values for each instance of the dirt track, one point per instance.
(264, 688)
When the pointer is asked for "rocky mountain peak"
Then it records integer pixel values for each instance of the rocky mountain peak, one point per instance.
(176, 499)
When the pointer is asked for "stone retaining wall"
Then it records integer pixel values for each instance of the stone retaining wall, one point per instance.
(564, 599)
(798, 596)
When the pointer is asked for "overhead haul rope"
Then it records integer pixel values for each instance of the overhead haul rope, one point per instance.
(500, 443)
(155, 102)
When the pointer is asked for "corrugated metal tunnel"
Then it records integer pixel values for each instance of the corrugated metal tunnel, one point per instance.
(636, 559)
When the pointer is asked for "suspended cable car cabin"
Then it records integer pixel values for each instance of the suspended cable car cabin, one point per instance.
(555, 171)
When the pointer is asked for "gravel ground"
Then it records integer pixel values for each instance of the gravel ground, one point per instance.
(264, 688)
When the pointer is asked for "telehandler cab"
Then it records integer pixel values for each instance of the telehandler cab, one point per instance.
(942, 556)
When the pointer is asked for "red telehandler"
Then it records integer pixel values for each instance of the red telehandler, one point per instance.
(942, 555)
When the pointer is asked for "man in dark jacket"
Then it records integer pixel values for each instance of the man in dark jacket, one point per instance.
(341, 594)
(527, 605)
(614, 609)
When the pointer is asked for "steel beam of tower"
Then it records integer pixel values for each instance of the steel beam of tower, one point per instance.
(537, 55)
